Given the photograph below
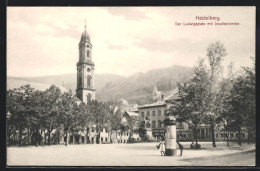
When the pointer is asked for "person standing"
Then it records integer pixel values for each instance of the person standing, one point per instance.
(162, 147)
(180, 147)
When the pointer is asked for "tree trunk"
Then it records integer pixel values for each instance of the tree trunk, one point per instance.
(37, 137)
(196, 137)
(67, 139)
(49, 137)
(20, 135)
(44, 137)
(227, 138)
(58, 137)
(213, 134)
(239, 137)
(9, 135)
(248, 135)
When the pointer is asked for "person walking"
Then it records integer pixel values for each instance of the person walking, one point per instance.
(180, 147)
(162, 146)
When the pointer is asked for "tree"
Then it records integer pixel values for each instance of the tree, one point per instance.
(215, 55)
(67, 107)
(19, 104)
(238, 105)
(99, 115)
(191, 105)
(223, 107)
(49, 110)
(250, 100)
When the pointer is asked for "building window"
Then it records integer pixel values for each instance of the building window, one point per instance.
(153, 124)
(148, 113)
(165, 111)
(153, 113)
(159, 124)
(237, 135)
(217, 135)
(244, 135)
(159, 112)
(142, 114)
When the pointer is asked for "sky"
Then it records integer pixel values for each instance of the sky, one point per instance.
(126, 40)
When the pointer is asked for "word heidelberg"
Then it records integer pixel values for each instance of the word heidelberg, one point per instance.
(207, 18)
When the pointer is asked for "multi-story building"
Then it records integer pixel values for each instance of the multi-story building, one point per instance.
(155, 113)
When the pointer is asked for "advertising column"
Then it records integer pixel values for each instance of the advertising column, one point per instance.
(170, 136)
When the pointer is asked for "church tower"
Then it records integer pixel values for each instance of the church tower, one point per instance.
(85, 70)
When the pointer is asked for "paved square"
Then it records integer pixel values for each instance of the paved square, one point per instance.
(139, 154)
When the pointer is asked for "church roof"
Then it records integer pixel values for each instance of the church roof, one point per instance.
(85, 37)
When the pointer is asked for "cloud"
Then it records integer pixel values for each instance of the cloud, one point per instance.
(63, 32)
(111, 46)
(183, 45)
(126, 40)
(128, 12)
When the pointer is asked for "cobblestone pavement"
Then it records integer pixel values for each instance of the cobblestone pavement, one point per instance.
(138, 154)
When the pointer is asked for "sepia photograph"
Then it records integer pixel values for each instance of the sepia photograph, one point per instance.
(131, 86)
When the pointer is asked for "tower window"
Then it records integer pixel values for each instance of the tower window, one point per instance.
(79, 80)
(89, 81)
(89, 98)
(88, 53)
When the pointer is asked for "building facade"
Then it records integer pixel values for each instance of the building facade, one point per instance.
(85, 70)
(154, 114)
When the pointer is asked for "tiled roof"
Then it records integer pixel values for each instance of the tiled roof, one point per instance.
(172, 96)
(132, 113)
(158, 103)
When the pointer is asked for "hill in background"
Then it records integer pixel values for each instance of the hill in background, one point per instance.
(135, 89)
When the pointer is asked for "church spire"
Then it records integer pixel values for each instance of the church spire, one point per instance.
(85, 25)
(85, 36)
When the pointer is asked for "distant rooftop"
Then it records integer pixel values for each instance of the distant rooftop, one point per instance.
(173, 95)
